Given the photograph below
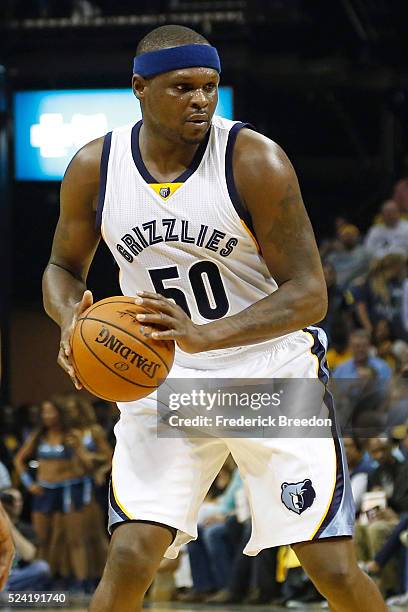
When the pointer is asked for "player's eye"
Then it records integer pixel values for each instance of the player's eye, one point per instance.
(183, 87)
(210, 87)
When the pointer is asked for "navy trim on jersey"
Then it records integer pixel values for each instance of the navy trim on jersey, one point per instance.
(102, 178)
(318, 349)
(339, 486)
(140, 165)
(229, 175)
(114, 503)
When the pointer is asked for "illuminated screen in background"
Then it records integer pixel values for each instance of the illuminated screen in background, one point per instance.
(50, 126)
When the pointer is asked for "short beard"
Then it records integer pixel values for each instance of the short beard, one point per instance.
(192, 141)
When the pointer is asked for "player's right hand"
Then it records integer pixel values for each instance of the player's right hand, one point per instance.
(67, 329)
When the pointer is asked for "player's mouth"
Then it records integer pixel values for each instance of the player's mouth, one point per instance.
(198, 120)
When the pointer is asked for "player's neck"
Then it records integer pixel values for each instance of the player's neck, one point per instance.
(164, 159)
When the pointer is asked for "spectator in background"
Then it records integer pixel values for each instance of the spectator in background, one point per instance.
(27, 573)
(330, 245)
(339, 348)
(400, 433)
(360, 386)
(9, 430)
(83, 417)
(397, 413)
(383, 344)
(351, 259)
(360, 349)
(380, 296)
(339, 303)
(212, 553)
(394, 547)
(5, 457)
(5, 480)
(400, 196)
(360, 465)
(391, 477)
(389, 237)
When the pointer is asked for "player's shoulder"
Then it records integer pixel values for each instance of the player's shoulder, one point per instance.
(82, 177)
(89, 156)
(254, 152)
(251, 143)
(85, 165)
(88, 159)
(256, 156)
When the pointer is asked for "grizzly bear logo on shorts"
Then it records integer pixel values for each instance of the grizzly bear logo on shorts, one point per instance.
(298, 496)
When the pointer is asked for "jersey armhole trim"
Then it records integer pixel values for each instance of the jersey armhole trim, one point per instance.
(229, 176)
(102, 179)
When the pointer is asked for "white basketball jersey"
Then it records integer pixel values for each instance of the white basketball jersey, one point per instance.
(190, 239)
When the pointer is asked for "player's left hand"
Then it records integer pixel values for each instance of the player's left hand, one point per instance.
(180, 328)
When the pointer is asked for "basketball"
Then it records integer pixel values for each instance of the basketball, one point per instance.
(112, 357)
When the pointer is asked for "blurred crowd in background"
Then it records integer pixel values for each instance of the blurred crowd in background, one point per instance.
(55, 459)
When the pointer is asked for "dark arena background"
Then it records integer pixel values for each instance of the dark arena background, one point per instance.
(328, 81)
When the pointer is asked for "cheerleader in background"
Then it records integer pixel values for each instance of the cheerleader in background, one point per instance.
(61, 490)
(94, 440)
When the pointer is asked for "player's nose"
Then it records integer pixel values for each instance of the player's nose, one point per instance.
(199, 99)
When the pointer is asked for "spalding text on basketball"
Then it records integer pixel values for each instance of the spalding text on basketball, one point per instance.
(147, 366)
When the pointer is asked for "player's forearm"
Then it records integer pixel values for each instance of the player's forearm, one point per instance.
(61, 291)
(292, 307)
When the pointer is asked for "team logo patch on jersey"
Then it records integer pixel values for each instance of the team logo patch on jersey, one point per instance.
(165, 192)
(298, 496)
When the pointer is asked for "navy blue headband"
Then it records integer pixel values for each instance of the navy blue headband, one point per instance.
(186, 56)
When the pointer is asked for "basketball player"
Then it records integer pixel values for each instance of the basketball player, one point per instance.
(6, 548)
(205, 216)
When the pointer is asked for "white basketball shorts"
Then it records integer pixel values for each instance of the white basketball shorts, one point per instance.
(165, 480)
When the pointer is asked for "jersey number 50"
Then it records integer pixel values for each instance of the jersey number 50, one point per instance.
(206, 284)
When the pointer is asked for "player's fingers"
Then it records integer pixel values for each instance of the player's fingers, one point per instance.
(66, 365)
(162, 304)
(170, 334)
(65, 345)
(159, 318)
(85, 303)
(148, 294)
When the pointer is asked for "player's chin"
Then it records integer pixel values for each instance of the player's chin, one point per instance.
(194, 133)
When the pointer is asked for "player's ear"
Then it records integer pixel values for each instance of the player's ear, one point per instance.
(138, 86)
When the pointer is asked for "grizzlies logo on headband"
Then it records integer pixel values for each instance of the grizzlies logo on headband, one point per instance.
(153, 63)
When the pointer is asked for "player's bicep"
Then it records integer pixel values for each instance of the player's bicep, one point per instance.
(271, 193)
(76, 236)
(285, 234)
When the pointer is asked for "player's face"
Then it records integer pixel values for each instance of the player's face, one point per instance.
(181, 103)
